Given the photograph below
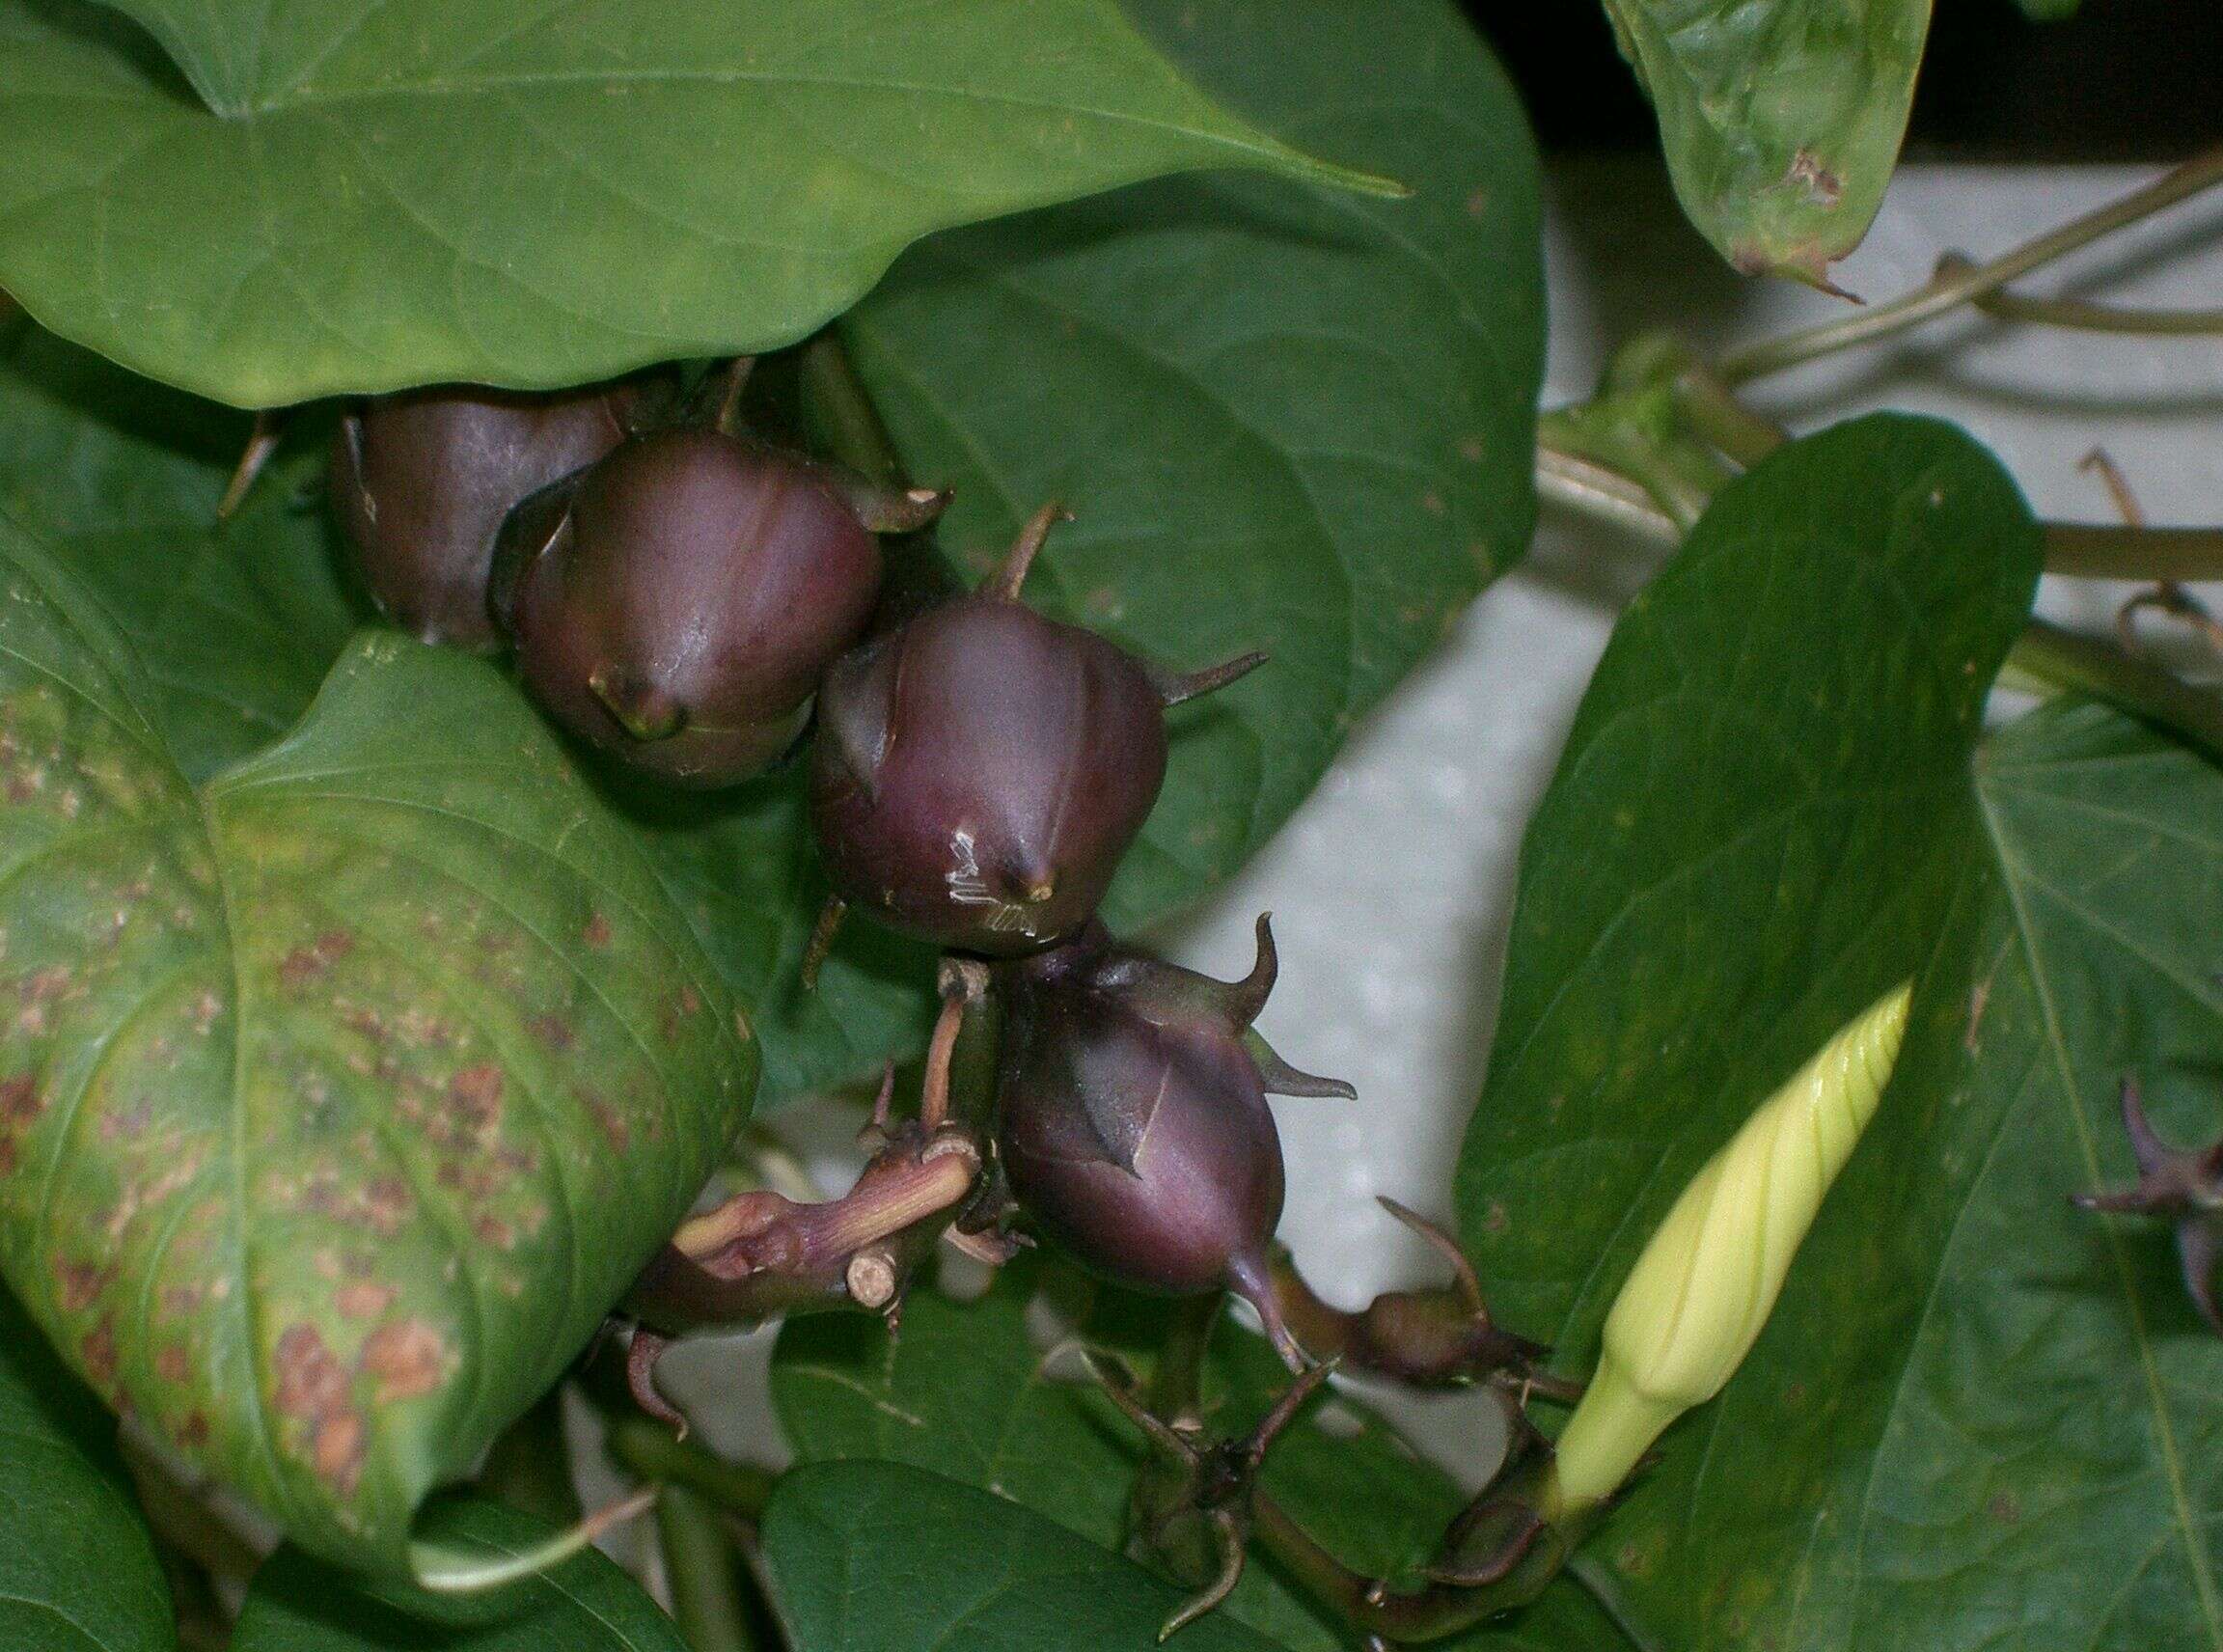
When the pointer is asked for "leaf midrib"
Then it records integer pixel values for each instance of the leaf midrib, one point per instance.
(315, 99)
(2012, 877)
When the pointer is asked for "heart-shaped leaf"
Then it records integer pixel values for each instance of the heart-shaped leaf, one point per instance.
(1754, 832)
(340, 1095)
(384, 193)
(1283, 419)
(1781, 119)
(1974, 1405)
(885, 1558)
(299, 1603)
(77, 1572)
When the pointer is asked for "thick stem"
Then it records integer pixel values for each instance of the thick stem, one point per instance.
(838, 413)
(1711, 408)
(1430, 1612)
(706, 1572)
(974, 1055)
(650, 1452)
(2096, 551)
(760, 1253)
(1601, 492)
(1177, 1381)
(2067, 660)
(841, 413)
(1964, 283)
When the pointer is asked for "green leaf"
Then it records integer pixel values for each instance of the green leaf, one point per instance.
(392, 192)
(1781, 119)
(885, 1558)
(970, 1391)
(1986, 1405)
(1974, 1406)
(1283, 420)
(1754, 832)
(340, 1095)
(78, 1571)
(587, 1604)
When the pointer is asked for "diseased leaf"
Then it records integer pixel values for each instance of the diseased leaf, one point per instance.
(883, 1557)
(1313, 409)
(77, 1572)
(339, 1097)
(970, 1390)
(385, 193)
(587, 1604)
(1781, 119)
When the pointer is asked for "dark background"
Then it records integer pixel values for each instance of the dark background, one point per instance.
(2122, 80)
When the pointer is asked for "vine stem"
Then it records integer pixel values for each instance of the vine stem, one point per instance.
(651, 1453)
(2101, 551)
(2064, 659)
(703, 1570)
(2080, 316)
(1963, 282)
(2058, 659)
(851, 427)
(1599, 491)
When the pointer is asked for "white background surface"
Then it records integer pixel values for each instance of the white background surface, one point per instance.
(1391, 886)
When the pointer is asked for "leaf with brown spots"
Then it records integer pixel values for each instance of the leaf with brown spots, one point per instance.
(1781, 119)
(286, 1173)
(77, 1570)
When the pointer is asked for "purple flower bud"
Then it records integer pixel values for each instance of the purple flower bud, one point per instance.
(422, 479)
(1133, 1123)
(979, 772)
(678, 603)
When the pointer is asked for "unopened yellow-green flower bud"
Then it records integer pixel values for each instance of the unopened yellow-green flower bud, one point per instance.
(1696, 1299)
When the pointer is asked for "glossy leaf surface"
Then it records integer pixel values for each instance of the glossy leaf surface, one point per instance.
(304, 199)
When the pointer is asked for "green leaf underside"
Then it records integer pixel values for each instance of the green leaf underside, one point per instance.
(885, 1558)
(1976, 1414)
(970, 1390)
(1282, 419)
(78, 1571)
(366, 196)
(587, 1604)
(1781, 119)
(341, 1096)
